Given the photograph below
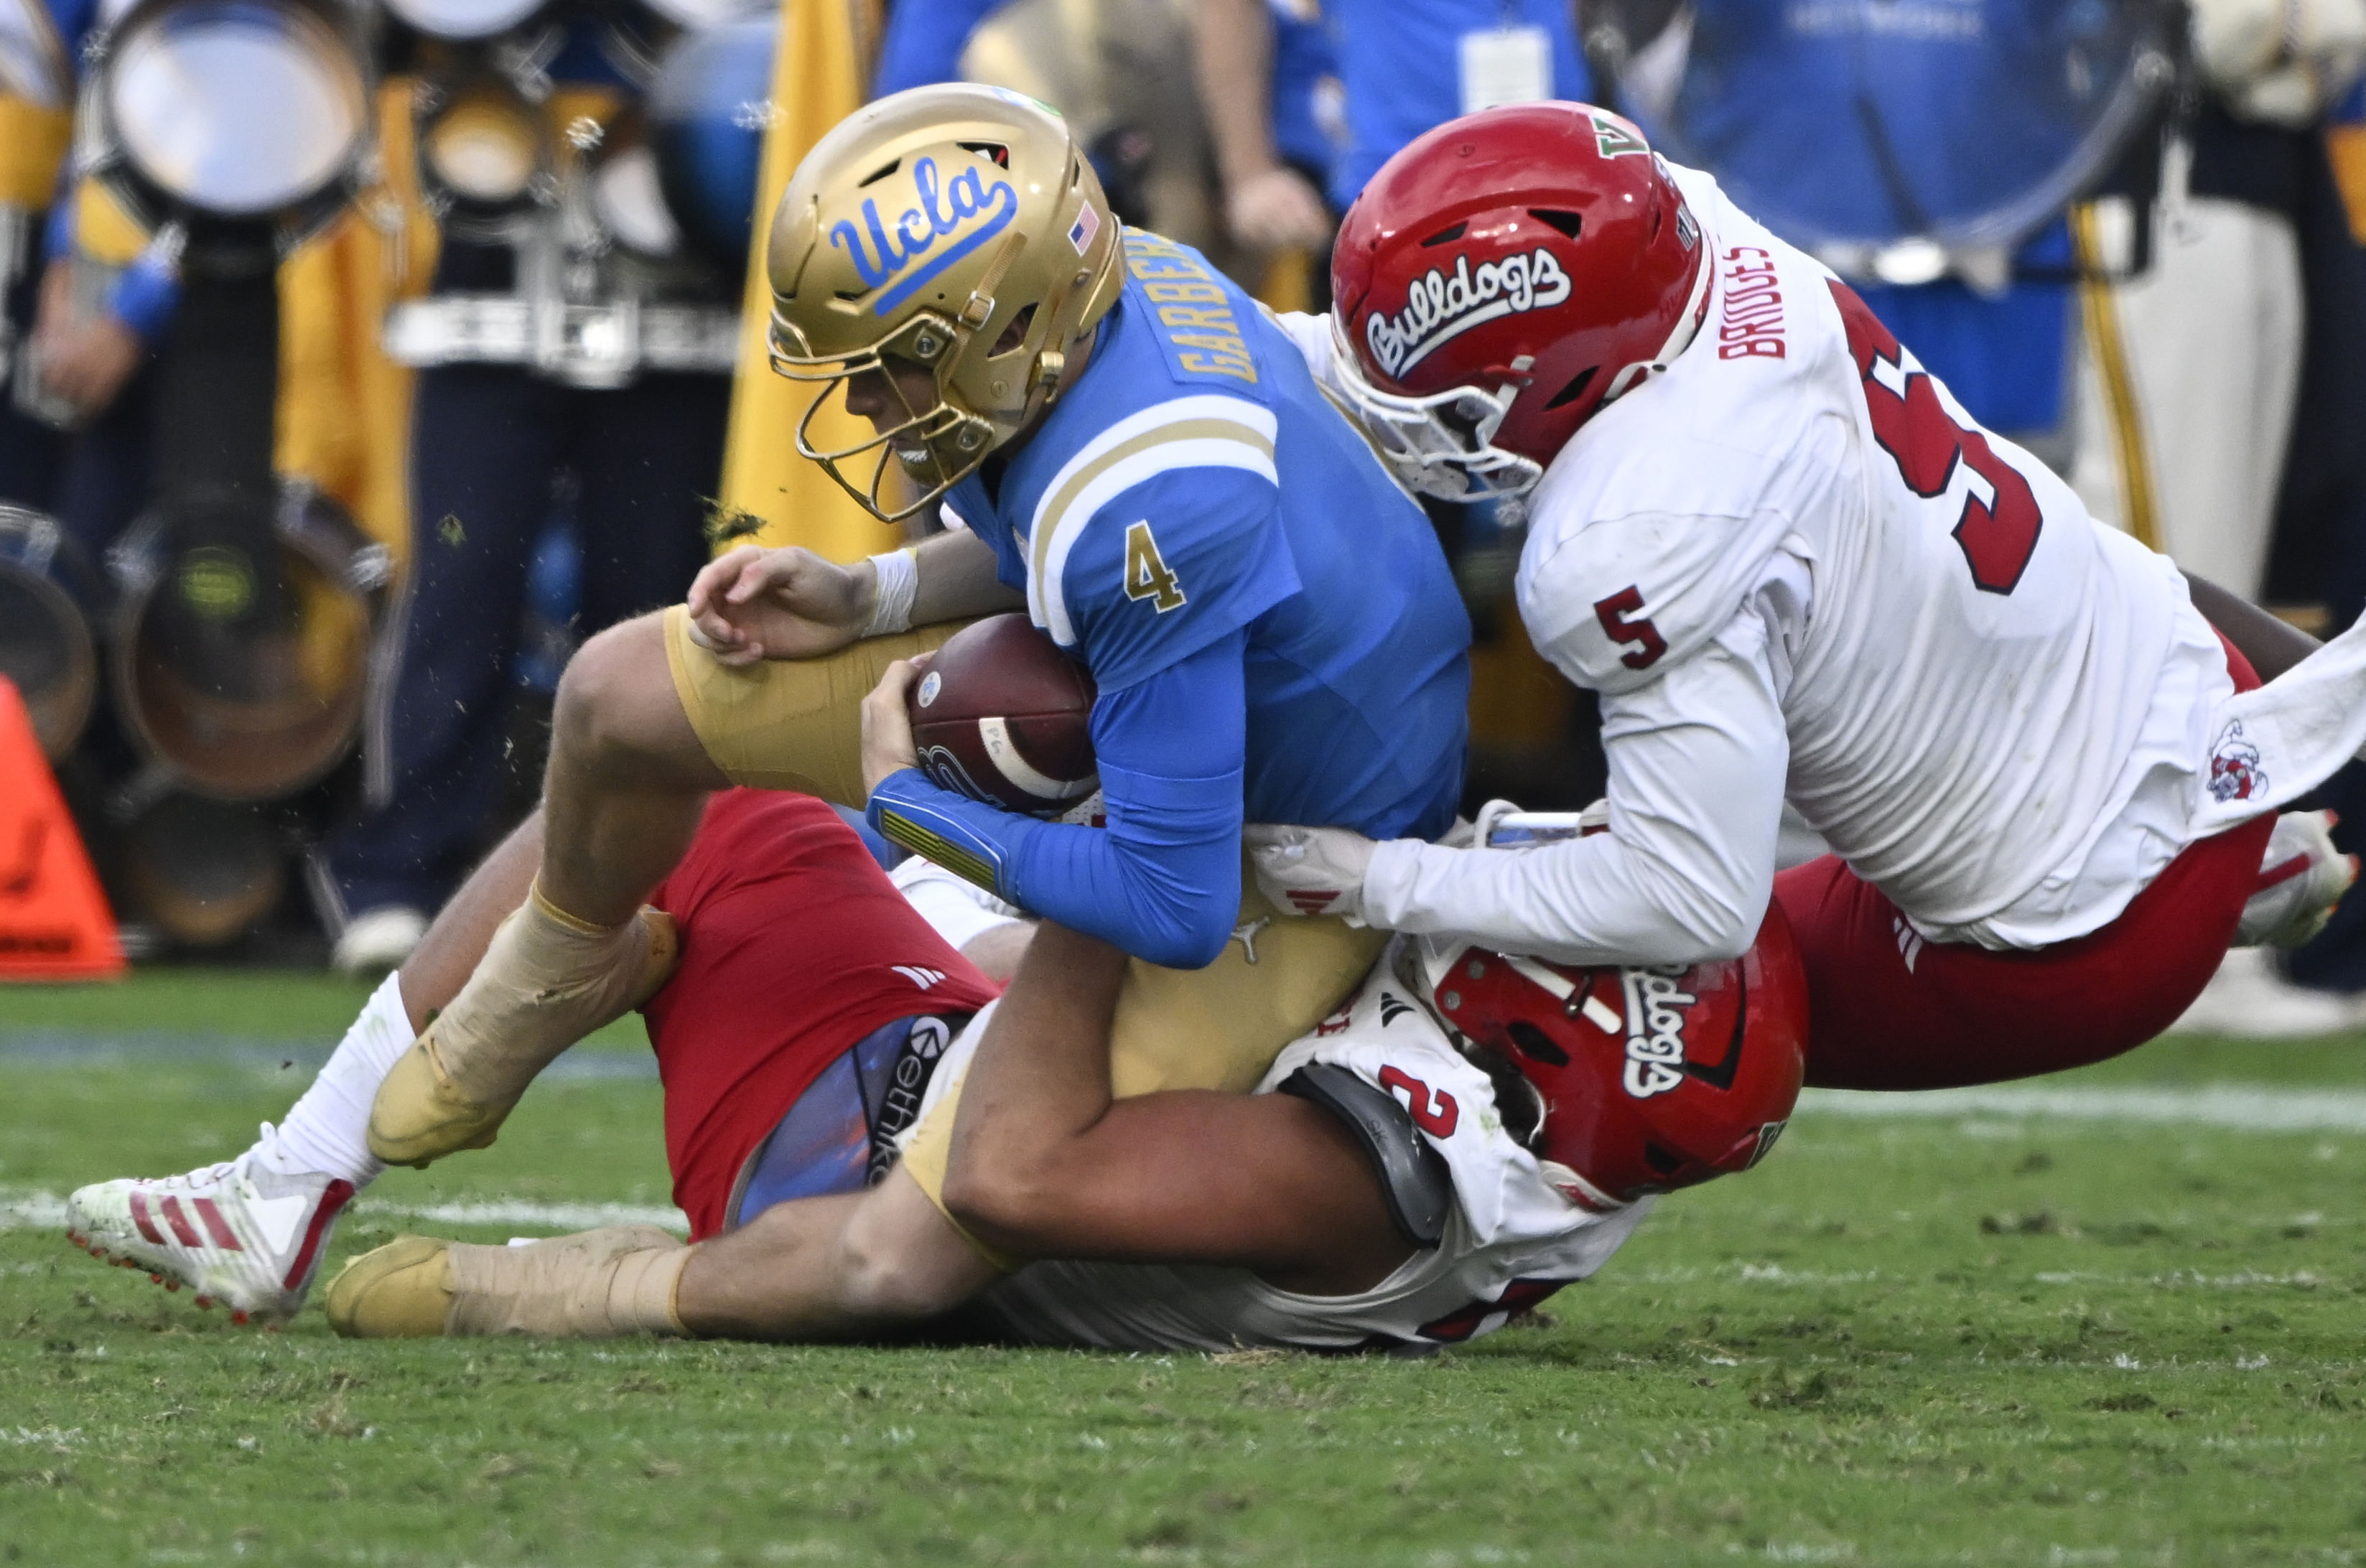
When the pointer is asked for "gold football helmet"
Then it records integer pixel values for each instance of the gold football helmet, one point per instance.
(957, 229)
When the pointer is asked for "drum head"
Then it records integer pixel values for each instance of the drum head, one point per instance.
(250, 716)
(463, 18)
(485, 148)
(1850, 127)
(696, 16)
(236, 106)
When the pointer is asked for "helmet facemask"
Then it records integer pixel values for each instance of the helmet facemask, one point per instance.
(1439, 444)
(935, 446)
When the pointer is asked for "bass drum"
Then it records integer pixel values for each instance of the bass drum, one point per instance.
(45, 642)
(707, 113)
(256, 708)
(205, 872)
(1891, 138)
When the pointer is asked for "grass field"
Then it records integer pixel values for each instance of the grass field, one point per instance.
(2117, 1323)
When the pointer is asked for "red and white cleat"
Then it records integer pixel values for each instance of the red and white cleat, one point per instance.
(2302, 878)
(239, 1234)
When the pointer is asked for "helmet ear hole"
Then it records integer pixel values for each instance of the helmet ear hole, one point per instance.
(1535, 1044)
(1575, 389)
(1663, 1160)
(1014, 335)
(1517, 1100)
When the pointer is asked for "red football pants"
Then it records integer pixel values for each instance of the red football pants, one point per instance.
(1890, 1011)
(795, 946)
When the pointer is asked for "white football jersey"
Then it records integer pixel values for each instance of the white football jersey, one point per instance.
(1511, 1238)
(1795, 567)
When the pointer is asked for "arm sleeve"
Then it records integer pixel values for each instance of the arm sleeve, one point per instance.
(1163, 880)
(145, 297)
(924, 43)
(1697, 761)
(58, 230)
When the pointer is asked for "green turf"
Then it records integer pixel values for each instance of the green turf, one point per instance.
(1986, 1341)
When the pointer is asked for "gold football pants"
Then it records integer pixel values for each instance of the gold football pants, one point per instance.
(794, 724)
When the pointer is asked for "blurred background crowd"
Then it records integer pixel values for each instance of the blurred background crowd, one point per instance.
(362, 357)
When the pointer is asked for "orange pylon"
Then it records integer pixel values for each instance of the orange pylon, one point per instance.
(54, 923)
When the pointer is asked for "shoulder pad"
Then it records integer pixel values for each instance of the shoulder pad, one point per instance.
(1413, 1176)
(1615, 604)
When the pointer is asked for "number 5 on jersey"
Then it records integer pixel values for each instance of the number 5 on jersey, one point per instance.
(1147, 576)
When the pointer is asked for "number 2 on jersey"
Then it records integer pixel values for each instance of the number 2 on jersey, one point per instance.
(1147, 576)
(1433, 1111)
(1997, 534)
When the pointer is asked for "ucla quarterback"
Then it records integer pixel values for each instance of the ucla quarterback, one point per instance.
(1140, 459)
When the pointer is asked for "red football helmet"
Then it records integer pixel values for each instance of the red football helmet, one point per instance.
(1644, 1079)
(1500, 279)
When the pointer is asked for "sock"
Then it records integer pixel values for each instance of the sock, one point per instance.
(327, 1130)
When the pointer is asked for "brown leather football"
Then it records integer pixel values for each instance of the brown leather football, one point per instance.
(1004, 717)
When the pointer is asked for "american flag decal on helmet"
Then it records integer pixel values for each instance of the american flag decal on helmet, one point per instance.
(1088, 224)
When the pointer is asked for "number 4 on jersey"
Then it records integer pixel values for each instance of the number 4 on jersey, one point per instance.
(1147, 576)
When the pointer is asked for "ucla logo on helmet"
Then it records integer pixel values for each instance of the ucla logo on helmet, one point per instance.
(965, 210)
(1442, 306)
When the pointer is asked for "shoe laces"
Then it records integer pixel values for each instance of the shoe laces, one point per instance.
(238, 1171)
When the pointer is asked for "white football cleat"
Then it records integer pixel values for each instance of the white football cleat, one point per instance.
(2302, 878)
(377, 939)
(237, 1232)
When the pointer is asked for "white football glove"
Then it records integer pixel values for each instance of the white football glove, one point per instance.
(1312, 870)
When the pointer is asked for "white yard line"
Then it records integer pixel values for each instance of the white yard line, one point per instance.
(2233, 1107)
(2236, 1107)
(27, 1210)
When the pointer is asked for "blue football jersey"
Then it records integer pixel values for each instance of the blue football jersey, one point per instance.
(1194, 483)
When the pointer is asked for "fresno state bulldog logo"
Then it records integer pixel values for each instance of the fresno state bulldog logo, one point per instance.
(2234, 771)
(1442, 305)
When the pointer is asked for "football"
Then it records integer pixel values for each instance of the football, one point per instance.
(1004, 717)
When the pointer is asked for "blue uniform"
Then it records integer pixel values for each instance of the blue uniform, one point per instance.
(924, 41)
(1400, 61)
(1305, 70)
(1270, 621)
(1945, 117)
(489, 443)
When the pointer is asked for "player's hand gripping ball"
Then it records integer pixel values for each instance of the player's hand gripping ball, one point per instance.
(1002, 716)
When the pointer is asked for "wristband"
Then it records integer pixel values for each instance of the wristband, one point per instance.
(899, 584)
